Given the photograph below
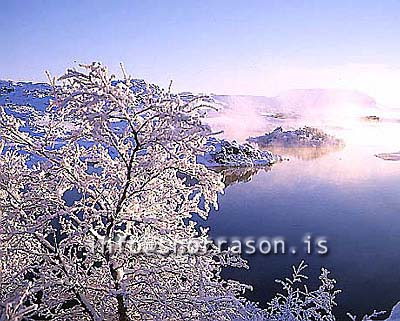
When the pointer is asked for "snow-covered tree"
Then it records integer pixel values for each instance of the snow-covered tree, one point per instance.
(98, 199)
(101, 172)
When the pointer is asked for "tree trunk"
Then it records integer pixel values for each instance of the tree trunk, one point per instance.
(123, 316)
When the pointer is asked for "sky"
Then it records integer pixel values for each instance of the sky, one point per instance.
(221, 46)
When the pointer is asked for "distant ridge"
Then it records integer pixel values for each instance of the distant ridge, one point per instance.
(289, 101)
(300, 100)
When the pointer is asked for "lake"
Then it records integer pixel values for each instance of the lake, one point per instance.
(349, 196)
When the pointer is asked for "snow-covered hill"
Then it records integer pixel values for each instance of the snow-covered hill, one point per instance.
(294, 101)
(24, 94)
(239, 116)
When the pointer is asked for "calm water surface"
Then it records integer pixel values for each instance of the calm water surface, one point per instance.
(348, 196)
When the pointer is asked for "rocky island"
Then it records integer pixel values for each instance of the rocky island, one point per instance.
(302, 137)
(389, 156)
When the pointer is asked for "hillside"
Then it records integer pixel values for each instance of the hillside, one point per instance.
(239, 116)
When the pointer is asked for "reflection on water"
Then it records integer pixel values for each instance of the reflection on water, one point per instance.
(304, 153)
(348, 196)
(233, 175)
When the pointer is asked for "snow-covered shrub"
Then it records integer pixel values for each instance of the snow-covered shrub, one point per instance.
(298, 303)
(83, 182)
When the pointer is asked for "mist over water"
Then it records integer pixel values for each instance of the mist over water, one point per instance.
(242, 116)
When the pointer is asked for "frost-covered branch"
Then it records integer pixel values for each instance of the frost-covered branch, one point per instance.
(80, 183)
